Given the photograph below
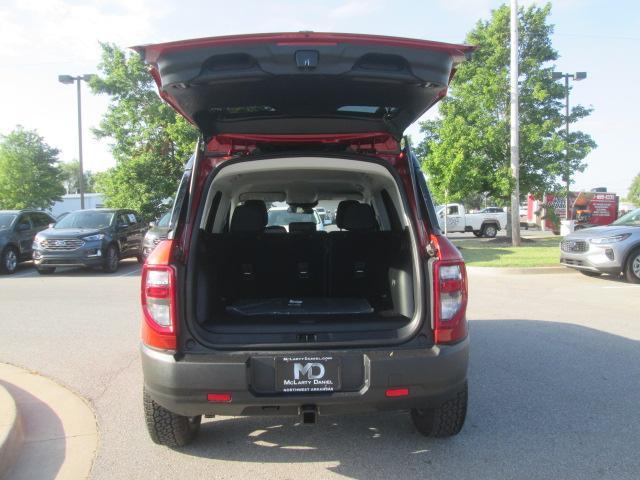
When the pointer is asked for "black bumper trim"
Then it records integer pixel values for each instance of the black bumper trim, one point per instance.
(181, 386)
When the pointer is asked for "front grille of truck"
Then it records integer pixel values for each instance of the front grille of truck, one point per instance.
(574, 246)
(62, 244)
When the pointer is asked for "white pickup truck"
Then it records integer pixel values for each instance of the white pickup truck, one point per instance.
(485, 223)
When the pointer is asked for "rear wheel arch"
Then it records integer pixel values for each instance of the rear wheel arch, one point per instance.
(489, 224)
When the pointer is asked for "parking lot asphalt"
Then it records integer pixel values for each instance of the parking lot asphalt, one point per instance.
(554, 387)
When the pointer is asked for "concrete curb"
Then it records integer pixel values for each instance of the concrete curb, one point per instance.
(11, 435)
(59, 429)
(519, 271)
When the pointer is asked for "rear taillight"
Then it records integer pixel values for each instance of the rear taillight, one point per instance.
(450, 294)
(159, 299)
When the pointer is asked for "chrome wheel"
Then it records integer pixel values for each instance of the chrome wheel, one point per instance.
(490, 231)
(10, 260)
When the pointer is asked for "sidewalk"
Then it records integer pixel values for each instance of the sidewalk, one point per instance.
(59, 430)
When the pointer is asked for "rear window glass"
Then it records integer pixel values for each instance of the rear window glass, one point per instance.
(86, 220)
(375, 110)
(283, 217)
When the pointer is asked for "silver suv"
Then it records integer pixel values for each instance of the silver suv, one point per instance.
(612, 249)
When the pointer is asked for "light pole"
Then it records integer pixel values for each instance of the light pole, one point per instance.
(577, 77)
(514, 119)
(68, 80)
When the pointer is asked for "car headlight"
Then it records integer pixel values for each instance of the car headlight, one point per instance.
(612, 239)
(93, 238)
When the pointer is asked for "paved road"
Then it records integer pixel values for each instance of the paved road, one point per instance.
(554, 382)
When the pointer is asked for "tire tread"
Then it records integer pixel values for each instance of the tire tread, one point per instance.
(445, 420)
(168, 428)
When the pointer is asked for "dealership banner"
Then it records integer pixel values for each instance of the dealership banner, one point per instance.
(586, 208)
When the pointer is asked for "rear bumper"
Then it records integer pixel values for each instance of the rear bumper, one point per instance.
(432, 375)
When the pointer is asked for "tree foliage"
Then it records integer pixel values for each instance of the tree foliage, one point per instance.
(29, 174)
(467, 150)
(149, 141)
(71, 177)
(634, 191)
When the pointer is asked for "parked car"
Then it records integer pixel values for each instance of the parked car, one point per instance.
(17, 230)
(157, 232)
(238, 320)
(612, 249)
(482, 224)
(90, 238)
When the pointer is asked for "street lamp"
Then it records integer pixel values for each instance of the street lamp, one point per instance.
(576, 77)
(68, 80)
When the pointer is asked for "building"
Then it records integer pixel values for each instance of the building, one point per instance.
(71, 202)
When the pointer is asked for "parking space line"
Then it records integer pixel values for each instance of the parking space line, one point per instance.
(136, 270)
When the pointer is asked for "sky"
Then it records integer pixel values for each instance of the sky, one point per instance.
(40, 39)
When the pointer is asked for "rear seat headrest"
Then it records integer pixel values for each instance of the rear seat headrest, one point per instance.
(302, 227)
(251, 216)
(353, 215)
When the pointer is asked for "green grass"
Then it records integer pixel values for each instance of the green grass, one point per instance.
(536, 252)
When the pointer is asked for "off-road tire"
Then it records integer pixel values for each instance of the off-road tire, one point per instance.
(633, 261)
(589, 273)
(8, 265)
(46, 270)
(168, 428)
(489, 230)
(445, 420)
(108, 264)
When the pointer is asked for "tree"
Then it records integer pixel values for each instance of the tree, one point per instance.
(29, 174)
(71, 175)
(634, 191)
(150, 142)
(466, 151)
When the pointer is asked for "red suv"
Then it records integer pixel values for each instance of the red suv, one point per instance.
(253, 306)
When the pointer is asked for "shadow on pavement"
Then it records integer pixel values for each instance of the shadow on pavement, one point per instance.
(42, 453)
(547, 400)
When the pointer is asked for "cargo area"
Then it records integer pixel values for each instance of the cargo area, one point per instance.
(270, 269)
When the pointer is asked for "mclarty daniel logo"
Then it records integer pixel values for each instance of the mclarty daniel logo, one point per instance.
(311, 370)
(308, 374)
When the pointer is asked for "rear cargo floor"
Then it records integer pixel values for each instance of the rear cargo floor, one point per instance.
(304, 315)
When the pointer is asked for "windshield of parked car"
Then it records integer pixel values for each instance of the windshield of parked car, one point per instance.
(285, 217)
(164, 221)
(86, 220)
(631, 219)
(6, 219)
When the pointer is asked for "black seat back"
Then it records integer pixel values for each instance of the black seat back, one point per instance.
(361, 255)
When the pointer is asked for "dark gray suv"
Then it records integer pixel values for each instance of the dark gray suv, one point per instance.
(17, 229)
(90, 238)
